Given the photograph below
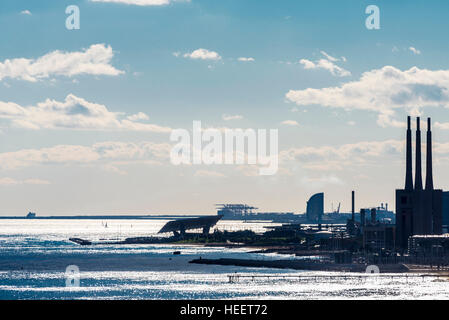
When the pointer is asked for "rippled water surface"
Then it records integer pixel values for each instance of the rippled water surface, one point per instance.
(34, 255)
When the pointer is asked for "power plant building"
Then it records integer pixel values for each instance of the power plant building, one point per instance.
(446, 211)
(418, 209)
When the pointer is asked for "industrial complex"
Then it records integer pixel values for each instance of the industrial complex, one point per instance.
(418, 210)
(415, 235)
(417, 229)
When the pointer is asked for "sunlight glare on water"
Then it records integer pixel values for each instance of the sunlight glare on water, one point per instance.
(35, 253)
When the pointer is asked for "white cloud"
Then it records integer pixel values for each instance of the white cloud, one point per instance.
(290, 123)
(326, 64)
(26, 12)
(73, 113)
(382, 91)
(227, 117)
(329, 57)
(203, 54)
(243, 59)
(93, 61)
(307, 64)
(332, 68)
(414, 50)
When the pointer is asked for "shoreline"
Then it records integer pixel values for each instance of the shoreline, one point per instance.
(297, 264)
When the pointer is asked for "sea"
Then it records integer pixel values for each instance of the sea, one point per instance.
(37, 261)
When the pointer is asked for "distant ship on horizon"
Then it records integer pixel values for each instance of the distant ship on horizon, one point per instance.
(31, 215)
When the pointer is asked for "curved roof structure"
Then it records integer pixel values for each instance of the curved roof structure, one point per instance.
(181, 225)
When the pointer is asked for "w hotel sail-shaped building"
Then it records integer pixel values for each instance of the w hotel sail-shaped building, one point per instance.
(418, 210)
(315, 208)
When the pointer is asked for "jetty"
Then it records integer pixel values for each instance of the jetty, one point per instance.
(297, 264)
(233, 278)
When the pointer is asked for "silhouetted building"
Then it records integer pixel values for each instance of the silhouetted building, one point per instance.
(179, 227)
(446, 211)
(245, 212)
(378, 235)
(418, 210)
(315, 207)
(235, 210)
(429, 245)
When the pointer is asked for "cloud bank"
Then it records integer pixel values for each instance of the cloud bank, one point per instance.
(13, 182)
(108, 154)
(383, 91)
(92, 61)
(73, 113)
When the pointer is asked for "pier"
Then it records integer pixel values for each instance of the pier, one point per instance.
(302, 264)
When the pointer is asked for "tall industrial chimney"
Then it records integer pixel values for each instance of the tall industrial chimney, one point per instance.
(418, 174)
(408, 170)
(429, 175)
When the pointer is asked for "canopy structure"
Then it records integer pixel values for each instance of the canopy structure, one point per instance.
(181, 225)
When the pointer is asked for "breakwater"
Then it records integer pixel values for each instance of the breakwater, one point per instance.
(301, 265)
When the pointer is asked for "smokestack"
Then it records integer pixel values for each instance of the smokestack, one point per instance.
(429, 175)
(418, 174)
(353, 202)
(408, 170)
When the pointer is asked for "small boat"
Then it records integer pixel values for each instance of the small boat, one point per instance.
(177, 252)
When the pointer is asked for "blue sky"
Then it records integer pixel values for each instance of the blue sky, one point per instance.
(61, 167)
